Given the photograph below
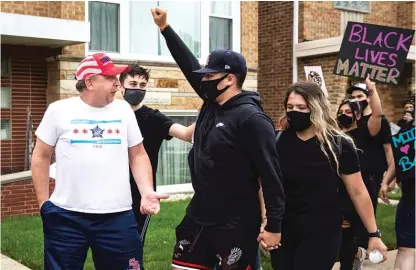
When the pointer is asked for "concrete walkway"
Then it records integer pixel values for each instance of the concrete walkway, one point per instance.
(10, 264)
(387, 265)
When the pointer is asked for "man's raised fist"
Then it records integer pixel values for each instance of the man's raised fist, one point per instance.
(159, 17)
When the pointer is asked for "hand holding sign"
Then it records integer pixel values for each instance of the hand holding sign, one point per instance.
(379, 51)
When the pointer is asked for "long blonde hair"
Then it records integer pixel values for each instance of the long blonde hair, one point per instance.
(324, 125)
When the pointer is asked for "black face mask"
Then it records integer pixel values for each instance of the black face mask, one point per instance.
(345, 121)
(298, 121)
(134, 96)
(209, 88)
(363, 104)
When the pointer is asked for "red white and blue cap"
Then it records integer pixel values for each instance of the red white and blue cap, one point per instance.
(98, 63)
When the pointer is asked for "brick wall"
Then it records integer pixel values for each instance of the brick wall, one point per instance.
(275, 54)
(249, 32)
(320, 20)
(406, 16)
(19, 198)
(70, 10)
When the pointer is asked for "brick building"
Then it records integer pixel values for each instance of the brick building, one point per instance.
(297, 34)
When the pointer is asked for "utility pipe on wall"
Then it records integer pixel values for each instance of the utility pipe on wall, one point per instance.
(295, 40)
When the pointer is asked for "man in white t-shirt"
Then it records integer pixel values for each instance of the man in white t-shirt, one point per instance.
(95, 139)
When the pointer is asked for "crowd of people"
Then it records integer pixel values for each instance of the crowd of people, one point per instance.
(306, 192)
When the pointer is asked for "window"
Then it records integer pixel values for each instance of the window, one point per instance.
(5, 129)
(220, 25)
(358, 6)
(5, 97)
(125, 29)
(173, 168)
(145, 37)
(104, 23)
(6, 66)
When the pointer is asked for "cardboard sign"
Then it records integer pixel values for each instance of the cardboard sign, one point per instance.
(315, 74)
(403, 144)
(379, 51)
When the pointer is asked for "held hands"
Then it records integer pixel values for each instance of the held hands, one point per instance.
(268, 240)
(375, 243)
(160, 16)
(150, 203)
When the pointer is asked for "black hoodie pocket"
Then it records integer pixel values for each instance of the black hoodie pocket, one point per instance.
(204, 167)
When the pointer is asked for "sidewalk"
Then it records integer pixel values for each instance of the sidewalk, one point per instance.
(387, 265)
(9, 264)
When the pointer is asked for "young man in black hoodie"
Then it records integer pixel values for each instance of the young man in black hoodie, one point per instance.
(234, 146)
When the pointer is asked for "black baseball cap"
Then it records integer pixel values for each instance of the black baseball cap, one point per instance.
(226, 61)
(358, 86)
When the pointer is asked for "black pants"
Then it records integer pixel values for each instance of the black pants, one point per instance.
(316, 250)
(227, 246)
(356, 235)
(353, 237)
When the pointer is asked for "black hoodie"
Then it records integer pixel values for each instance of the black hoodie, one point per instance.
(234, 146)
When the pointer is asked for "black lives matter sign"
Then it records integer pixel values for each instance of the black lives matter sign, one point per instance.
(379, 51)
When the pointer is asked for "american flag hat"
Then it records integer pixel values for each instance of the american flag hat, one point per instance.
(98, 63)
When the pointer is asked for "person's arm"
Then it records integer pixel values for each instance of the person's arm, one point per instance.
(181, 132)
(41, 160)
(353, 181)
(374, 122)
(186, 61)
(391, 166)
(141, 168)
(258, 135)
(47, 136)
(390, 174)
(359, 195)
(262, 210)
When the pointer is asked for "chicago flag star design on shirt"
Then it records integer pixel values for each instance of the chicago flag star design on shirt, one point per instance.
(97, 132)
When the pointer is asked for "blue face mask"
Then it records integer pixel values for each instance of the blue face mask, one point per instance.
(134, 96)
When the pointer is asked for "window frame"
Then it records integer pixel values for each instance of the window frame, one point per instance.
(124, 33)
(9, 98)
(10, 129)
(353, 9)
(178, 188)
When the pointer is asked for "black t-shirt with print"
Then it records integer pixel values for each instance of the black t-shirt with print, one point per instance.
(311, 182)
(372, 158)
(154, 127)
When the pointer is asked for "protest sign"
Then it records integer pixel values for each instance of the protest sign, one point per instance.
(404, 153)
(379, 51)
(315, 74)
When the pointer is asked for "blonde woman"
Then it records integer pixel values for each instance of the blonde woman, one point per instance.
(316, 158)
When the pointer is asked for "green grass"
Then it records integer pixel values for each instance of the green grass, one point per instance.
(22, 239)
(395, 195)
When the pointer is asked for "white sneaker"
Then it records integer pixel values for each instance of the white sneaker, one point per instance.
(358, 262)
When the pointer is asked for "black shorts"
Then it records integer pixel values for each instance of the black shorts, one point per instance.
(405, 224)
(203, 247)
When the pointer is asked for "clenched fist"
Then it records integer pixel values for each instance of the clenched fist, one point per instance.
(159, 16)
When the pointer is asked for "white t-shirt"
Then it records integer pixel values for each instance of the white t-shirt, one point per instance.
(92, 164)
